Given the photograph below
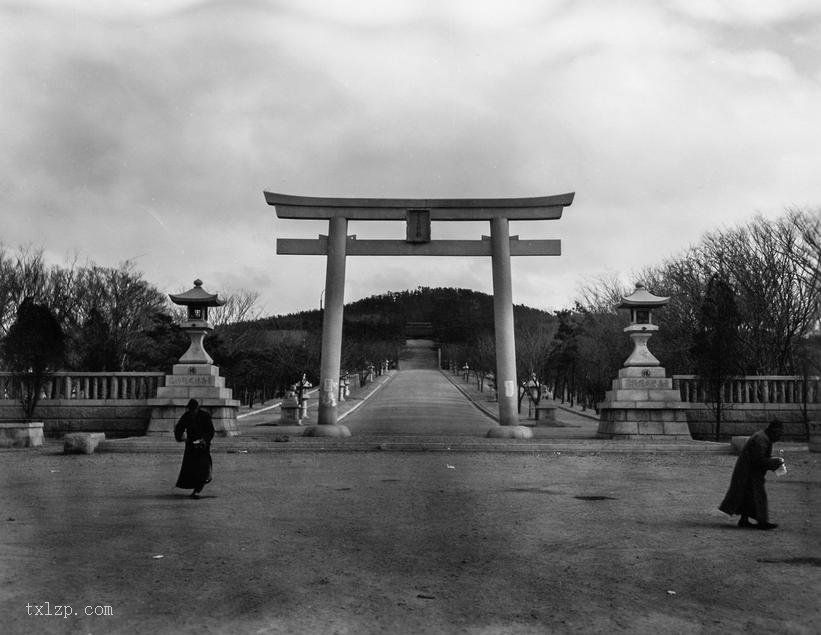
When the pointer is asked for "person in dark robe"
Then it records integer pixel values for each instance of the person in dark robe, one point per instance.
(746, 495)
(197, 430)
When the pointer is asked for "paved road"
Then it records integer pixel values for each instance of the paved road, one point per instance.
(418, 354)
(419, 400)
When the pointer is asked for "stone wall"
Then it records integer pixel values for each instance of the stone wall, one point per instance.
(115, 417)
(751, 402)
(744, 419)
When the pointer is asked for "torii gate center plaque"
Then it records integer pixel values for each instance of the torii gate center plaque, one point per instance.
(418, 214)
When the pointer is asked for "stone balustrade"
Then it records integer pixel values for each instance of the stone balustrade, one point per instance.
(754, 389)
(750, 402)
(90, 386)
(114, 403)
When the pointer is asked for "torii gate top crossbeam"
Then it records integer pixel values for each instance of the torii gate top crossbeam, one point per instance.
(448, 209)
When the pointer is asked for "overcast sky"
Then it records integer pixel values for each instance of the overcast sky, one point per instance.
(149, 129)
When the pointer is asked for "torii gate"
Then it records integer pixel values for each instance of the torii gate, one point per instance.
(418, 214)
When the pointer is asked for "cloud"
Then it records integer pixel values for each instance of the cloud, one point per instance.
(751, 12)
(150, 129)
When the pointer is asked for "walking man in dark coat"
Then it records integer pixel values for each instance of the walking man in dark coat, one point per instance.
(746, 495)
(196, 427)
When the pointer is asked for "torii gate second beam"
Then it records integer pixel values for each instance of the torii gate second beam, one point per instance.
(418, 213)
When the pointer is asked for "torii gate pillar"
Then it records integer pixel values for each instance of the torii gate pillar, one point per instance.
(332, 331)
(503, 325)
(418, 213)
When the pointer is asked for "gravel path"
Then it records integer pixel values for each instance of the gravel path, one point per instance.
(399, 542)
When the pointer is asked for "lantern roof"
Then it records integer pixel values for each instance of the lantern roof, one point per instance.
(196, 297)
(641, 297)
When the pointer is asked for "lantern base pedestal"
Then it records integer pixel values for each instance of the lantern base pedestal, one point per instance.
(643, 406)
(193, 381)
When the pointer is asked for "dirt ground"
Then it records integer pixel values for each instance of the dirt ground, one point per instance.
(393, 542)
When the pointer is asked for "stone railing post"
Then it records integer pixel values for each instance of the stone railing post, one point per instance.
(65, 385)
(752, 389)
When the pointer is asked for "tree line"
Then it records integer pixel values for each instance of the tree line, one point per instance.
(110, 317)
(90, 318)
(743, 300)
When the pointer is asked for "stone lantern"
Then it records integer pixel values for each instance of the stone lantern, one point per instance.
(196, 324)
(641, 304)
(194, 376)
(642, 405)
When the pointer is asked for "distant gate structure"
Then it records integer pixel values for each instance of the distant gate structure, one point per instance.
(418, 214)
(418, 330)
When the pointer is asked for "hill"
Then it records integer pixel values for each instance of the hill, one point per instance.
(260, 358)
(455, 316)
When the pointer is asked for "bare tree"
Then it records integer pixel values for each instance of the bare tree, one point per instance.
(7, 300)
(26, 275)
(534, 341)
(777, 292)
(240, 306)
(602, 293)
(482, 359)
(801, 239)
(772, 265)
(125, 301)
(62, 292)
(21, 276)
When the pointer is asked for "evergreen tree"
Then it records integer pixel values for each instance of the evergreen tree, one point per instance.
(95, 347)
(33, 346)
(716, 344)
